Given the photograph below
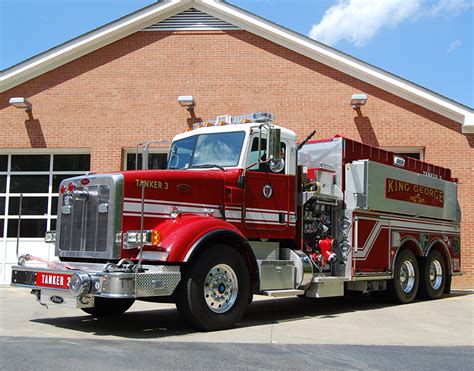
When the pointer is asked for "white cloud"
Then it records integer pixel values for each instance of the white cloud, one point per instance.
(358, 21)
(450, 7)
(454, 45)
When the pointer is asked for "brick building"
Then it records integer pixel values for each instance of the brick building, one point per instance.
(95, 97)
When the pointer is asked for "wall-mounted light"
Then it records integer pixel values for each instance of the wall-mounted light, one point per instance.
(186, 101)
(20, 102)
(358, 100)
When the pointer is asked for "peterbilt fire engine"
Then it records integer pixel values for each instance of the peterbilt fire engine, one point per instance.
(242, 209)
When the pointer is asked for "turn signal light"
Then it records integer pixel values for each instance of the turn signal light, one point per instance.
(62, 189)
(71, 187)
(133, 239)
(155, 238)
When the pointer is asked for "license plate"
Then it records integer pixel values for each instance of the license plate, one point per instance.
(55, 280)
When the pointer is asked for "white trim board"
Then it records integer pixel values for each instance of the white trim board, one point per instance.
(162, 10)
(45, 151)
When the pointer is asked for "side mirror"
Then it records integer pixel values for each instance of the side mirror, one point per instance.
(274, 159)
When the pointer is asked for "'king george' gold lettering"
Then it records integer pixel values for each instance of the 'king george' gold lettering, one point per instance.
(404, 191)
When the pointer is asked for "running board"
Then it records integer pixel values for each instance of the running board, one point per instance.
(332, 279)
(282, 293)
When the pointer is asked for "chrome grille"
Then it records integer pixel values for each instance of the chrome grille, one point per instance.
(90, 217)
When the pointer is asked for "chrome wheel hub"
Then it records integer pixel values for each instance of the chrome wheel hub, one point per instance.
(436, 274)
(407, 276)
(220, 288)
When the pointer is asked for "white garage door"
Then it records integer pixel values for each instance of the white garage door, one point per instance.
(36, 176)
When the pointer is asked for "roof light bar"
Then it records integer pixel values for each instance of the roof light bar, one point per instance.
(257, 117)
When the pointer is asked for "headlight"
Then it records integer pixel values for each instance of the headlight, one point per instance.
(133, 239)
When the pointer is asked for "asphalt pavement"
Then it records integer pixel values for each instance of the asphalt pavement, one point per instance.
(290, 333)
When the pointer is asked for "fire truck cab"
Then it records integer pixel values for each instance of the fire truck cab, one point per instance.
(243, 209)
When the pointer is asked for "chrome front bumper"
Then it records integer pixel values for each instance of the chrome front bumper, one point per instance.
(92, 280)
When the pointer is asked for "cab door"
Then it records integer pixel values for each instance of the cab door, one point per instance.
(269, 197)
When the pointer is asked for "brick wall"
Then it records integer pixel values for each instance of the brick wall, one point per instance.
(126, 92)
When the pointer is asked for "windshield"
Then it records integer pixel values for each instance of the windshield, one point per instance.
(219, 149)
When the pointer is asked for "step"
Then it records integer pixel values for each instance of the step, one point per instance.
(283, 293)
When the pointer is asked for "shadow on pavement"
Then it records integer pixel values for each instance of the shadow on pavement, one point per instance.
(167, 322)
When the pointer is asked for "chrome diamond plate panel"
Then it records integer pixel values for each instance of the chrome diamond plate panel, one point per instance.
(162, 282)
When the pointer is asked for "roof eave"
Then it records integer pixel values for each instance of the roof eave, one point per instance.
(89, 42)
(468, 125)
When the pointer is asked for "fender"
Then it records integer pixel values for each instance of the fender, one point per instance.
(182, 235)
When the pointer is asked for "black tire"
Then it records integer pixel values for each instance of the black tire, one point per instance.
(404, 286)
(432, 276)
(206, 300)
(250, 300)
(105, 307)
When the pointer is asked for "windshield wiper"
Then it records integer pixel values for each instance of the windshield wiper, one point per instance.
(207, 166)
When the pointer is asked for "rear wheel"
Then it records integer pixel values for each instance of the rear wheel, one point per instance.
(404, 286)
(105, 307)
(214, 293)
(433, 276)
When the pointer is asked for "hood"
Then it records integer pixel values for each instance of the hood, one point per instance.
(191, 191)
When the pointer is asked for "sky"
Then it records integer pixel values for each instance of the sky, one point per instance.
(429, 42)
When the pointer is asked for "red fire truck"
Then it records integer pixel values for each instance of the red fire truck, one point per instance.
(242, 209)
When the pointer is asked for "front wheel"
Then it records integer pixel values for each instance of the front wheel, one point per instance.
(214, 293)
(404, 285)
(105, 307)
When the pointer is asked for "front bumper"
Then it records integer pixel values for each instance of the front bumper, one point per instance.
(151, 281)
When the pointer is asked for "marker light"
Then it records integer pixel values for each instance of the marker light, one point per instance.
(62, 189)
(71, 187)
(155, 238)
(85, 181)
(174, 212)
